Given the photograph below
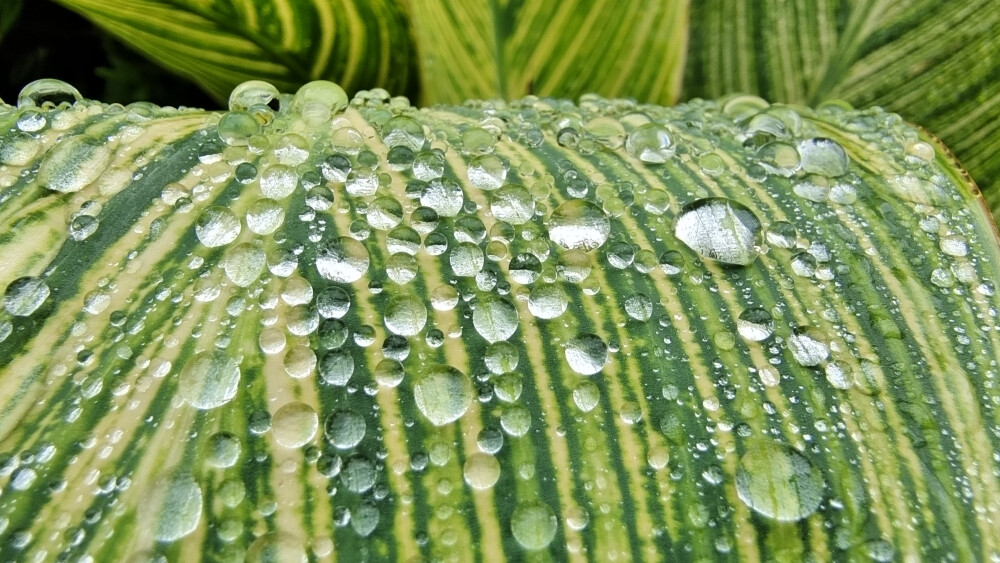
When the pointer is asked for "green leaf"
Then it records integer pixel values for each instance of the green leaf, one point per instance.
(511, 48)
(935, 63)
(9, 11)
(466, 333)
(221, 43)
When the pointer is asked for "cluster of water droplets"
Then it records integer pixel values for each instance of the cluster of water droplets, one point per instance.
(368, 247)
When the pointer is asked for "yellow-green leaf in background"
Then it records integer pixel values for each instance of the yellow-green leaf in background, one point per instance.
(9, 11)
(511, 48)
(935, 63)
(221, 43)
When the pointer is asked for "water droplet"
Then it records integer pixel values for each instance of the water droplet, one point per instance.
(778, 482)
(579, 224)
(278, 181)
(244, 263)
(82, 226)
(236, 128)
(336, 367)
(333, 303)
(384, 213)
(18, 148)
(443, 394)
(650, 143)
(481, 471)
(587, 354)
(443, 195)
(343, 260)
(217, 226)
(276, 547)
(173, 507)
(779, 158)
(358, 474)
(516, 420)
(210, 380)
(513, 204)
(807, 347)
(501, 357)
(345, 429)
(467, 259)
(782, 234)
(405, 315)
(251, 93)
(639, 307)
(534, 525)
(487, 172)
(755, 324)
(223, 449)
(547, 301)
(720, 229)
(495, 318)
(294, 424)
(74, 163)
(316, 101)
(45, 92)
(954, 245)
(823, 156)
(403, 131)
(25, 295)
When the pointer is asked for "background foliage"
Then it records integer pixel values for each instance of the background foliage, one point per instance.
(933, 62)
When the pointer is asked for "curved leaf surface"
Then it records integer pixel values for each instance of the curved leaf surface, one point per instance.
(729, 331)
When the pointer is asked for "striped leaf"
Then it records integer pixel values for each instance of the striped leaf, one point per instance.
(719, 331)
(221, 43)
(507, 49)
(933, 62)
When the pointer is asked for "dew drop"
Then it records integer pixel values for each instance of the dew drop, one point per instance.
(495, 318)
(336, 367)
(210, 380)
(174, 505)
(512, 204)
(823, 156)
(318, 100)
(294, 424)
(251, 93)
(547, 301)
(720, 229)
(45, 91)
(73, 164)
(25, 295)
(443, 394)
(405, 315)
(481, 471)
(778, 482)
(343, 260)
(650, 143)
(244, 263)
(534, 525)
(345, 429)
(579, 224)
(217, 226)
(223, 450)
(587, 354)
(278, 181)
(403, 131)
(807, 348)
(755, 324)
(276, 547)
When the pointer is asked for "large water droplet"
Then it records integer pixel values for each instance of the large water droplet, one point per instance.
(73, 164)
(650, 143)
(251, 93)
(534, 525)
(481, 471)
(276, 547)
(403, 131)
(513, 204)
(316, 101)
(807, 347)
(336, 367)
(25, 295)
(217, 226)
(210, 380)
(343, 260)
(579, 224)
(244, 263)
(720, 229)
(405, 315)
(294, 424)
(778, 482)
(47, 91)
(443, 394)
(495, 318)
(587, 354)
(175, 502)
(547, 301)
(823, 156)
(755, 324)
(345, 429)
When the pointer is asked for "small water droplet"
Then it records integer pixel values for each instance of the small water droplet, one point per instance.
(650, 143)
(294, 424)
(443, 394)
(495, 318)
(217, 226)
(481, 471)
(173, 507)
(807, 347)
(210, 380)
(579, 224)
(343, 260)
(823, 156)
(777, 481)
(755, 324)
(587, 354)
(47, 92)
(345, 429)
(25, 295)
(534, 525)
(74, 163)
(405, 315)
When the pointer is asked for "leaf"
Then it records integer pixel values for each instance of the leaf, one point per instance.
(511, 48)
(297, 337)
(222, 43)
(9, 12)
(933, 62)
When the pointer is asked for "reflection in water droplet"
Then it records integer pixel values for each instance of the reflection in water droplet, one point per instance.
(720, 229)
(823, 156)
(47, 91)
(481, 471)
(217, 226)
(405, 315)
(650, 143)
(443, 394)
(74, 163)
(807, 347)
(345, 429)
(778, 482)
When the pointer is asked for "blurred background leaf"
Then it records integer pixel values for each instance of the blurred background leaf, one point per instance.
(9, 11)
(511, 48)
(935, 63)
(221, 43)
